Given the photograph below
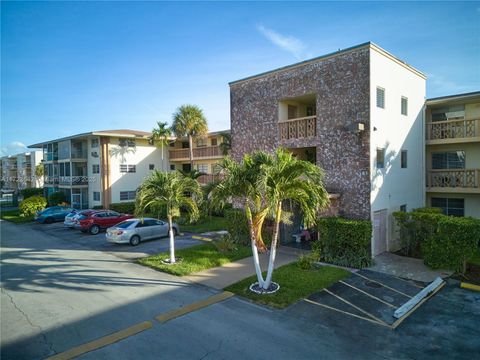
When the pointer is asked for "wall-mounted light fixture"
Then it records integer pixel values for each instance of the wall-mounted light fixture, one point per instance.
(356, 127)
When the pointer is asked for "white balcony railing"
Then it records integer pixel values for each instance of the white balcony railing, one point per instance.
(454, 178)
(453, 129)
(299, 128)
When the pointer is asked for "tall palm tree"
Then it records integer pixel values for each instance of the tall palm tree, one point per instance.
(161, 135)
(226, 143)
(189, 121)
(169, 189)
(287, 178)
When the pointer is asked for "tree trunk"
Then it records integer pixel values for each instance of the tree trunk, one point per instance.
(190, 144)
(172, 240)
(273, 246)
(161, 146)
(256, 260)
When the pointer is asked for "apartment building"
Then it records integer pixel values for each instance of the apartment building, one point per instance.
(18, 171)
(357, 113)
(207, 153)
(101, 167)
(453, 154)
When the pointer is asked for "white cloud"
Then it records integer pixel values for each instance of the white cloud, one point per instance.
(284, 42)
(13, 148)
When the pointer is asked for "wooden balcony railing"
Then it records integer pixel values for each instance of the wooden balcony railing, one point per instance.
(299, 128)
(198, 153)
(455, 178)
(208, 178)
(453, 129)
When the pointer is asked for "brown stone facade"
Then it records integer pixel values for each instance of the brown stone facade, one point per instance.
(341, 85)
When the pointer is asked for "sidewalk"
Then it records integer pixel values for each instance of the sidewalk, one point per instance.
(228, 274)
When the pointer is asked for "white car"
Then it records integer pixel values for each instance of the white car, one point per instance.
(70, 218)
(132, 231)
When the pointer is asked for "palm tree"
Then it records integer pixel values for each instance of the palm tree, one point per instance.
(287, 178)
(192, 174)
(189, 121)
(169, 189)
(226, 144)
(161, 135)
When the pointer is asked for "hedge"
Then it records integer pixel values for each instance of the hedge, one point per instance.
(237, 226)
(345, 242)
(56, 198)
(31, 205)
(29, 192)
(124, 207)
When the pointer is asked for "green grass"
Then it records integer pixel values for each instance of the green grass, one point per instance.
(195, 259)
(475, 260)
(14, 216)
(295, 284)
(209, 223)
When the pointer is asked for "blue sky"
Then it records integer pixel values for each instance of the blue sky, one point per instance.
(71, 67)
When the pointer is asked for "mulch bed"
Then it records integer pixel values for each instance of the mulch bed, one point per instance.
(472, 275)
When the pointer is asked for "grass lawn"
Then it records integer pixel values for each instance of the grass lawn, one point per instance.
(475, 260)
(195, 258)
(209, 223)
(14, 216)
(295, 284)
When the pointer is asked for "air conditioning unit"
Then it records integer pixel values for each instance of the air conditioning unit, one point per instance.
(94, 154)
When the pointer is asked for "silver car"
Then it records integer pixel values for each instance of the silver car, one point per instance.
(70, 218)
(135, 230)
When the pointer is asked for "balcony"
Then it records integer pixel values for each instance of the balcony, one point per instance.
(50, 180)
(208, 178)
(73, 180)
(199, 153)
(299, 128)
(454, 180)
(453, 131)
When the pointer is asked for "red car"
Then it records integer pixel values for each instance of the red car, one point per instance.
(94, 221)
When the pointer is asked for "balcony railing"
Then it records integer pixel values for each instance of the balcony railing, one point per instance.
(453, 129)
(208, 178)
(455, 178)
(73, 180)
(78, 154)
(198, 153)
(51, 180)
(299, 128)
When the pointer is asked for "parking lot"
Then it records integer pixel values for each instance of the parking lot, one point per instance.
(98, 242)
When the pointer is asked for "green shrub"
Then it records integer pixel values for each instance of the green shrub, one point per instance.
(56, 198)
(429, 210)
(345, 242)
(237, 226)
(28, 192)
(305, 262)
(316, 250)
(225, 244)
(124, 207)
(97, 207)
(453, 242)
(31, 205)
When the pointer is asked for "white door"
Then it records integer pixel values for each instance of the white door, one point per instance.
(379, 232)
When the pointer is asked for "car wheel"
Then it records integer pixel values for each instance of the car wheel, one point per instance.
(135, 240)
(48, 220)
(94, 229)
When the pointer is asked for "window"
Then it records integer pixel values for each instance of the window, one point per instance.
(201, 142)
(403, 159)
(127, 195)
(94, 143)
(202, 168)
(292, 111)
(95, 169)
(172, 167)
(214, 142)
(456, 112)
(380, 98)
(172, 144)
(124, 168)
(151, 166)
(380, 158)
(448, 160)
(126, 143)
(185, 145)
(403, 208)
(404, 106)
(216, 168)
(96, 196)
(452, 207)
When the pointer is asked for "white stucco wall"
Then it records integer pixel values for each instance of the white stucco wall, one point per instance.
(142, 156)
(393, 186)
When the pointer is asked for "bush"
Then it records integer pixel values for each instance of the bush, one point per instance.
(225, 244)
(124, 207)
(56, 198)
(345, 242)
(305, 262)
(237, 226)
(31, 205)
(97, 207)
(453, 242)
(29, 192)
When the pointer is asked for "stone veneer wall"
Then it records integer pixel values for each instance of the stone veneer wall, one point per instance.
(341, 85)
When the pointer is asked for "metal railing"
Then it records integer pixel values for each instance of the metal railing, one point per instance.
(299, 128)
(73, 180)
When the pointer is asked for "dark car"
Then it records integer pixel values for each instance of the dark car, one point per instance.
(95, 221)
(52, 214)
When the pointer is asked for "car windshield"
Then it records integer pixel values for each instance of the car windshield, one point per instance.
(125, 224)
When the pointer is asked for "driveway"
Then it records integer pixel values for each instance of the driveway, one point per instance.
(58, 294)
